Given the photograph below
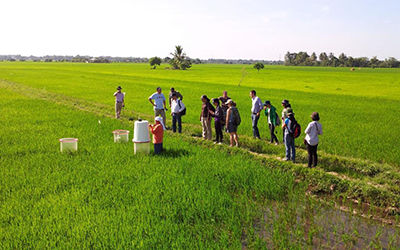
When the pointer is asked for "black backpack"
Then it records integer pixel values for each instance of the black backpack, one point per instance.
(236, 116)
(183, 112)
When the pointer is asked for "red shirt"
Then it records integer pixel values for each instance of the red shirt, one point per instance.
(158, 133)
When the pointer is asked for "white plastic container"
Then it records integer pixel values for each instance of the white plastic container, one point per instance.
(69, 144)
(141, 138)
(121, 135)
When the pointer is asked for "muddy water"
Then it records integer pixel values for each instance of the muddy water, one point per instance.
(316, 226)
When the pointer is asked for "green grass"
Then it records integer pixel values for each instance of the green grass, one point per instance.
(358, 109)
(195, 195)
(104, 196)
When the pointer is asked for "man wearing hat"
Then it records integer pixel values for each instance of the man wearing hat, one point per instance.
(273, 120)
(119, 102)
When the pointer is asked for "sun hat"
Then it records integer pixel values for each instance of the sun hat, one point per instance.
(285, 102)
(160, 119)
(267, 103)
(229, 102)
(119, 87)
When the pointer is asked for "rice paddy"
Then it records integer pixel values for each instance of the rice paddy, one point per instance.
(195, 195)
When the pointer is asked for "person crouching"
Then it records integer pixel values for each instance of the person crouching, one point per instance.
(158, 133)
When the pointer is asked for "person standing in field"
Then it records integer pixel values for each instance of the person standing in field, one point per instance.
(289, 135)
(158, 133)
(224, 98)
(285, 105)
(119, 102)
(232, 122)
(311, 140)
(273, 120)
(205, 117)
(218, 120)
(179, 95)
(255, 113)
(177, 108)
(158, 101)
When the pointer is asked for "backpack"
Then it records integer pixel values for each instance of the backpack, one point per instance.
(278, 120)
(236, 117)
(183, 112)
(295, 128)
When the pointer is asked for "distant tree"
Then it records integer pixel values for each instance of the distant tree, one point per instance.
(258, 66)
(392, 62)
(301, 58)
(342, 60)
(323, 58)
(179, 60)
(154, 61)
(290, 58)
(374, 62)
(313, 60)
(333, 61)
(197, 61)
(350, 62)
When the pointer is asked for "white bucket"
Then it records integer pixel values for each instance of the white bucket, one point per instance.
(141, 131)
(121, 135)
(141, 137)
(69, 144)
(141, 148)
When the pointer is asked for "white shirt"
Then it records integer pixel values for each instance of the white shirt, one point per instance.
(312, 131)
(175, 107)
(256, 104)
(159, 100)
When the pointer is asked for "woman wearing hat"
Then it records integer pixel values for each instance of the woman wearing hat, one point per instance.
(158, 133)
(273, 120)
(205, 117)
(119, 102)
(311, 140)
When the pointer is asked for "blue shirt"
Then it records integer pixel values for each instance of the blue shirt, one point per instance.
(288, 123)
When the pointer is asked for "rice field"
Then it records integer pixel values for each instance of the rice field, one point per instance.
(196, 195)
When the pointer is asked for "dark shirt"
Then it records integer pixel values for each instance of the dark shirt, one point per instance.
(205, 110)
(223, 101)
(178, 95)
(219, 114)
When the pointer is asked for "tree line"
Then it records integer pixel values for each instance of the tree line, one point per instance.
(303, 59)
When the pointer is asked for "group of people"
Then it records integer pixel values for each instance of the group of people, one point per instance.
(227, 117)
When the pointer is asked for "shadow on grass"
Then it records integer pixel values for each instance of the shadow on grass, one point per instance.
(173, 153)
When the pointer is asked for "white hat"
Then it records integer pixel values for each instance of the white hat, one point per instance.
(160, 119)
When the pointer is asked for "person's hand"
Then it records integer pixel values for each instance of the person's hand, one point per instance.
(258, 114)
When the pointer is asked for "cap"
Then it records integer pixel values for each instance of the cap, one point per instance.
(267, 103)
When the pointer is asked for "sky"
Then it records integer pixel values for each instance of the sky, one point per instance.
(234, 29)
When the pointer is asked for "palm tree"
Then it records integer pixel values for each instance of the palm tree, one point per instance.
(179, 60)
